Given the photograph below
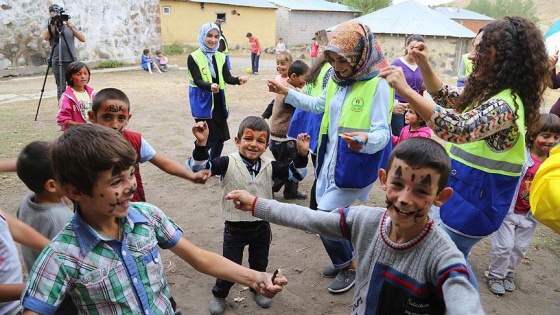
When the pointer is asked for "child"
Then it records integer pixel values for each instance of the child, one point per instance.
(405, 264)
(76, 101)
(43, 208)
(147, 63)
(415, 126)
(514, 235)
(107, 257)
(161, 61)
(246, 168)
(280, 47)
(111, 108)
(282, 147)
(354, 137)
(314, 50)
(11, 277)
(283, 62)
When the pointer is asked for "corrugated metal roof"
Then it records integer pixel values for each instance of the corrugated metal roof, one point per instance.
(462, 14)
(242, 3)
(411, 17)
(313, 5)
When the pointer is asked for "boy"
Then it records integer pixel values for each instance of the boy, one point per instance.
(111, 108)
(282, 147)
(405, 264)
(314, 50)
(11, 277)
(106, 258)
(43, 208)
(161, 61)
(246, 168)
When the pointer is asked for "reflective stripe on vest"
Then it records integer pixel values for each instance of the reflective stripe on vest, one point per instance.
(480, 155)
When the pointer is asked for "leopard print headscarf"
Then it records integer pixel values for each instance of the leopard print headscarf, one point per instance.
(356, 43)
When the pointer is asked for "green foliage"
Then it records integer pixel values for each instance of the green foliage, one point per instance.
(366, 6)
(110, 64)
(500, 8)
(173, 49)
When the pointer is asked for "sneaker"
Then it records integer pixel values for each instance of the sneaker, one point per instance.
(217, 305)
(509, 284)
(343, 281)
(255, 73)
(298, 195)
(261, 300)
(330, 271)
(496, 285)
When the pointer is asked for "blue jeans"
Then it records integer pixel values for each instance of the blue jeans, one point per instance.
(237, 235)
(255, 62)
(340, 251)
(463, 243)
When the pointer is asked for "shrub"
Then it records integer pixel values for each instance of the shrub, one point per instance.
(173, 49)
(110, 64)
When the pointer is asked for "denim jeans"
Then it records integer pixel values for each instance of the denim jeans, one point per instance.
(463, 243)
(237, 235)
(255, 62)
(340, 251)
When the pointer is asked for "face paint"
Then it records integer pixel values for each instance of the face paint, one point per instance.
(427, 180)
(101, 195)
(412, 177)
(398, 172)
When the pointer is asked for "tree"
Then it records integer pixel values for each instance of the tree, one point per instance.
(366, 6)
(501, 8)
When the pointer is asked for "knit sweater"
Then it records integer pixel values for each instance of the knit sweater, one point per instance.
(238, 177)
(281, 115)
(426, 275)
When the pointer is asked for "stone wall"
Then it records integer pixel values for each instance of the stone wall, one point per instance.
(114, 30)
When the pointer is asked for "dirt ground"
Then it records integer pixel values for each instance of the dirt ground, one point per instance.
(161, 113)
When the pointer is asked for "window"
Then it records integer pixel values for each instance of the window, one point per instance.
(166, 10)
(221, 17)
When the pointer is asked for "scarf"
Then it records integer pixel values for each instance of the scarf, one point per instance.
(209, 52)
(357, 44)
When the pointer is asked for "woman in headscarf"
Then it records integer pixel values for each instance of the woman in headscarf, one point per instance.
(208, 75)
(354, 134)
(485, 124)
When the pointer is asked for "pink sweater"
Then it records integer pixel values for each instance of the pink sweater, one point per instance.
(424, 132)
(69, 109)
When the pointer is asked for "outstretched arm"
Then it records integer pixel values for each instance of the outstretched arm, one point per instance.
(25, 234)
(174, 168)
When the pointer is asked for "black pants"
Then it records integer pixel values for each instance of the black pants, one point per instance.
(237, 235)
(284, 151)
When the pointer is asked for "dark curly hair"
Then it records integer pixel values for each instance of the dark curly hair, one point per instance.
(519, 63)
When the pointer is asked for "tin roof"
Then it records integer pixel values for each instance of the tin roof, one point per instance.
(313, 5)
(411, 17)
(462, 14)
(241, 3)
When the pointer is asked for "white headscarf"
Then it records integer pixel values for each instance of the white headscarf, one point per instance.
(209, 52)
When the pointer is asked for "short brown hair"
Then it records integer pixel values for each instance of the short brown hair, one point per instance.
(84, 151)
(254, 123)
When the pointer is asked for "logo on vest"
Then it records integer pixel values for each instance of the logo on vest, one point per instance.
(203, 70)
(357, 104)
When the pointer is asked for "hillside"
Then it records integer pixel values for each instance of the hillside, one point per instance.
(548, 11)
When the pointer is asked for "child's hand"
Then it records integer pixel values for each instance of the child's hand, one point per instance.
(303, 140)
(201, 177)
(355, 140)
(200, 131)
(400, 108)
(264, 285)
(243, 80)
(243, 200)
(552, 61)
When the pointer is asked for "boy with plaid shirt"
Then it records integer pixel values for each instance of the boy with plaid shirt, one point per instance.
(106, 259)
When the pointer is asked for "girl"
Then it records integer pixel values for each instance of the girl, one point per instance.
(208, 75)
(415, 127)
(514, 235)
(485, 125)
(413, 77)
(283, 61)
(354, 134)
(76, 101)
(148, 63)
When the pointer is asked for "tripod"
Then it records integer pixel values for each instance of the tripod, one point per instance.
(60, 33)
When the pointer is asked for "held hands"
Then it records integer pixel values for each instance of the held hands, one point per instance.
(303, 140)
(400, 108)
(200, 131)
(420, 54)
(277, 87)
(241, 199)
(395, 77)
(201, 177)
(265, 286)
(355, 140)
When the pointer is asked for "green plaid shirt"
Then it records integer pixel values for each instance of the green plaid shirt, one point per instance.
(104, 275)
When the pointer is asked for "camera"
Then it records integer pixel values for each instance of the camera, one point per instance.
(60, 17)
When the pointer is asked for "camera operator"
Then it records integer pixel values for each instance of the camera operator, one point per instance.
(59, 24)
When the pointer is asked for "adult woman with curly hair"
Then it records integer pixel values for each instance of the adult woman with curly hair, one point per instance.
(484, 125)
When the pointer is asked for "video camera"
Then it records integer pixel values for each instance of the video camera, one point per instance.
(60, 17)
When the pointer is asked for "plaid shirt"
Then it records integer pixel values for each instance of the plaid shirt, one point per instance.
(104, 275)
